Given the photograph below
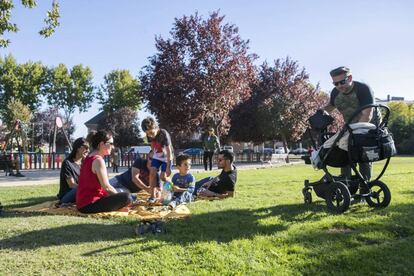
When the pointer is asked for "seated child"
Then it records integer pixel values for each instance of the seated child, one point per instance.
(183, 181)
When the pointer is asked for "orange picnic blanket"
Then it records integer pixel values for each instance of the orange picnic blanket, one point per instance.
(138, 212)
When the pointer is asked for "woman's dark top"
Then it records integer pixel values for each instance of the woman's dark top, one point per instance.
(69, 169)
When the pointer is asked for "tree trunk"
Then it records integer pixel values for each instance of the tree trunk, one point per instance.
(285, 147)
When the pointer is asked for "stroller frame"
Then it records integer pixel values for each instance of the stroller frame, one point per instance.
(341, 192)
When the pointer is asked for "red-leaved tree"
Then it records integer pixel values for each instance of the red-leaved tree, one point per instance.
(198, 75)
(282, 101)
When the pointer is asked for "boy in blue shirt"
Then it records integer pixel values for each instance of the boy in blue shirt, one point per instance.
(183, 181)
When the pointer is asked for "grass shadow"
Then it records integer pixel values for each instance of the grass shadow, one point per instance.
(228, 225)
(68, 234)
(375, 247)
(26, 202)
(221, 226)
(13, 214)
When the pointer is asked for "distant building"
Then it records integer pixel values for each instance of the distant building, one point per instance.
(391, 99)
(93, 123)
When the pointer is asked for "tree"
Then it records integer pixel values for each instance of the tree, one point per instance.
(119, 90)
(401, 121)
(6, 7)
(21, 81)
(290, 99)
(69, 90)
(198, 75)
(282, 101)
(17, 118)
(124, 125)
(16, 110)
(245, 121)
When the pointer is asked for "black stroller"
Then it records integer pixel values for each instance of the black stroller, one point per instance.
(362, 145)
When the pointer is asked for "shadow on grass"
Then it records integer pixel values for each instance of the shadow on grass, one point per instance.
(224, 227)
(67, 235)
(25, 202)
(220, 226)
(380, 246)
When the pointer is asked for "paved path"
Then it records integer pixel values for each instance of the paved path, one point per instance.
(46, 176)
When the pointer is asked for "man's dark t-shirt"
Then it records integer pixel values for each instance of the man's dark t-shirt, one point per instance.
(69, 169)
(225, 183)
(126, 178)
(360, 95)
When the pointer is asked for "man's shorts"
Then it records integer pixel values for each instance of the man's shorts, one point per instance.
(157, 164)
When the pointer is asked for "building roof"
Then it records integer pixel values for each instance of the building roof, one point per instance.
(96, 119)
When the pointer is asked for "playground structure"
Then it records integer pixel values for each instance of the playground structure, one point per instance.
(18, 137)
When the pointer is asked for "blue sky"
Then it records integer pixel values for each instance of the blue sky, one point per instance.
(374, 38)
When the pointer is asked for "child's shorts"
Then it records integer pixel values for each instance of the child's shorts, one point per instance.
(157, 164)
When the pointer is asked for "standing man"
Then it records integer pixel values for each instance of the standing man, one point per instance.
(347, 97)
(211, 143)
(115, 159)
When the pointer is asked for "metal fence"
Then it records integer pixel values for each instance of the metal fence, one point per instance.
(54, 160)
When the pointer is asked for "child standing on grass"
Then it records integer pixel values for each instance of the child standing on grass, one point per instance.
(184, 181)
(162, 154)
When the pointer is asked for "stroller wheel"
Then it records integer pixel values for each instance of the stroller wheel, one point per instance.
(380, 196)
(337, 197)
(307, 195)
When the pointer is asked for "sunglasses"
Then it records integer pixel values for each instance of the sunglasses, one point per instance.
(341, 82)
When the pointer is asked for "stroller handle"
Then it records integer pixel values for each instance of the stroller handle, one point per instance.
(384, 120)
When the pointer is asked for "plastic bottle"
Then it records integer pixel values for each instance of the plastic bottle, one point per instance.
(167, 192)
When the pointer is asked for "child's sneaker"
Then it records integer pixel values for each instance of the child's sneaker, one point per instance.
(133, 198)
(152, 200)
(172, 205)
(143, 228)
(158, 227)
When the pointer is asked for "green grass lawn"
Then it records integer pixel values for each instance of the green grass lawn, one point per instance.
(265, 229)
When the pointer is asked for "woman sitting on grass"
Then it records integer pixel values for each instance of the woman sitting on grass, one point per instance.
(95, 194)
(69, 173)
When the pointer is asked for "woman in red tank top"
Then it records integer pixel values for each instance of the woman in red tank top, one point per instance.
(95, 194)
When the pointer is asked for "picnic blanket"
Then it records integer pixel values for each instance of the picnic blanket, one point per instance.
(139, 212)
